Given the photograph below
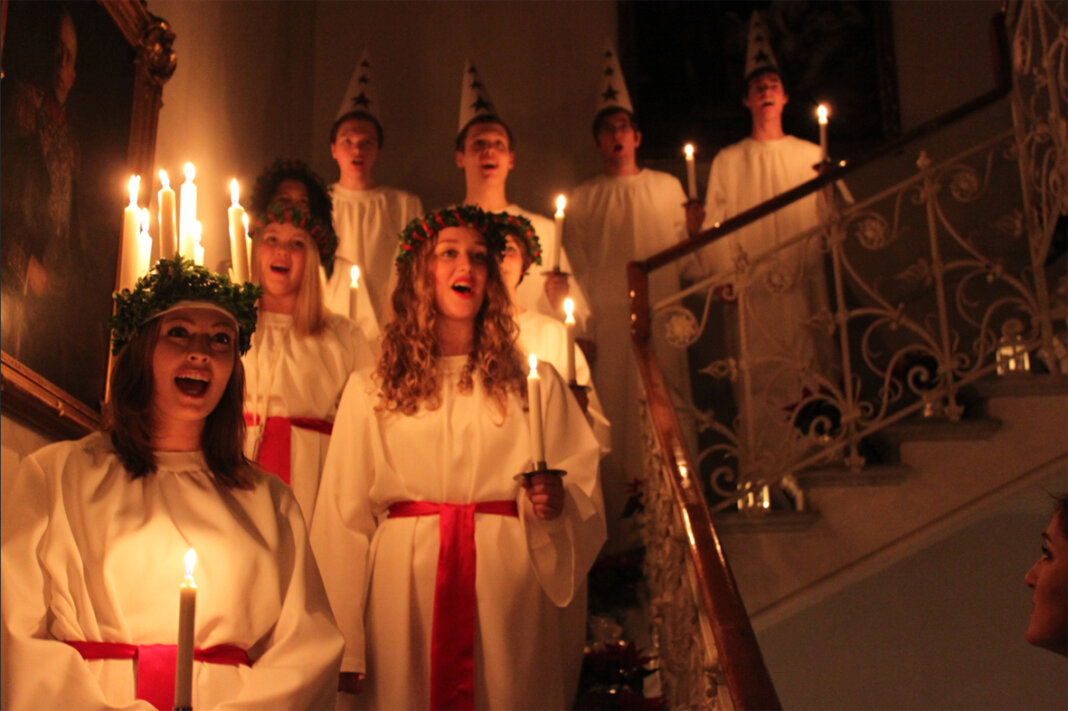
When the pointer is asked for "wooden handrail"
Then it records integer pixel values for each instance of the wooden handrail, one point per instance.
(747, 677)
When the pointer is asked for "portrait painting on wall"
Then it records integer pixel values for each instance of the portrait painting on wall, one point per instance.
(65, 110)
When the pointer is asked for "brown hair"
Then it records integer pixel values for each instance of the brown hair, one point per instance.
(407, 370)
(128, 416)
(309, 314)
(461, 137)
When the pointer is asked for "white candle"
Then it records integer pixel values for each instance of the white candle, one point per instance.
(187, 611)
(198, 247)
(537, 434)
(131, 225)
(188, 213)
(691, 172)
(144, 245)
(167, 246)
(248, 240)
(354, 290)
(561, 202)
(238, 249)
(569, 322)
(821, 115)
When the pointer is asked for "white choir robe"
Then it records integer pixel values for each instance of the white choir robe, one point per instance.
(531, 292)
(90, 554)
(380, 572)
(612, 221)
(367, 223)
(290, 375)
(743, 175)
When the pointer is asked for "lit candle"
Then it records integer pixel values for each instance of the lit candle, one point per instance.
(354, 290)
(537, 435)
(131, 225)
(238, 249)
(188, 213)
(187, 612)
(248, 240)
(144, 244)
(561, 202)
(166, 217)
(691, 172)
(198, 247)
(569, 322)
(821, 115)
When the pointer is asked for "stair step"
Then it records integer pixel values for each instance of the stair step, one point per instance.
(940, 429)
(870, 475)
(1023, 385)
(769, 522)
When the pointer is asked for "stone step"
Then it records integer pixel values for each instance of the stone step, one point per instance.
(1022, 385)
(840, 475)
(942, 429)
(764, 522)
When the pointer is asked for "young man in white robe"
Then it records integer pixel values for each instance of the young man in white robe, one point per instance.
(622, 214)
(367, 215)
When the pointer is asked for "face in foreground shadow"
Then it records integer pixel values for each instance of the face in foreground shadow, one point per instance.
(1048, 578)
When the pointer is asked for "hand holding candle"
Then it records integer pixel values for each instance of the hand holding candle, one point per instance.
(238, 250)
(187, 609)
(167, 246)
(569, 322)
(691, 176)
(131, 225)
(354, 290)
(561, 202)
(821, 115)
(537, 433)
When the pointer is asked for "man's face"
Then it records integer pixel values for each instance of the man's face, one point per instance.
(487, 156)
(617, 140)
(356, 148)
(765, 96)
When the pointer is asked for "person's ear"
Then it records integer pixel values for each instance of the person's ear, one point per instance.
(459, 159)
(511, 160)
(637, 138)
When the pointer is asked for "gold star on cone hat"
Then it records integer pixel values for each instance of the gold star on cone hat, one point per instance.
(758, 56)
(474, 99)
(360, 94)
(613, 93)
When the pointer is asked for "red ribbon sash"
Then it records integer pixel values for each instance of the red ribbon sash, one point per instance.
(452, 638)
(275, 444)
(156, 662)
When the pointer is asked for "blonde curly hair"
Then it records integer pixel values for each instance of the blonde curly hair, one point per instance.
(408, 372)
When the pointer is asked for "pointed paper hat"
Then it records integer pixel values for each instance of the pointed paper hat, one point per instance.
(613, 93)
(758, 57)
(474, 99)
(360, 95)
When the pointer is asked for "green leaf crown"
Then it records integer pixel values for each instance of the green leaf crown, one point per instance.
(522, 228)
(322, 233)
(424, 230)
(175, 280)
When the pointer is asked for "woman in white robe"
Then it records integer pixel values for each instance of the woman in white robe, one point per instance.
(440, 427)
(95, 532)
(302, 354)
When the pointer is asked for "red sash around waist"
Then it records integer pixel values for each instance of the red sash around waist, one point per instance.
(452, 638)
(275, 446)
(156, 663)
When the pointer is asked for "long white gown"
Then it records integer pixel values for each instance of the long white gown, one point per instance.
(289, 375)
(91, 554)
(784, 293)
(612, 221)
(380, 572)
(367, 223)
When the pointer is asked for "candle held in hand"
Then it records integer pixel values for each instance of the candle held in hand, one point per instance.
(537, 434)
(354, 290)
(187, 610)
(821, 115)
(561, 202)
(691, 172)
(569, 323)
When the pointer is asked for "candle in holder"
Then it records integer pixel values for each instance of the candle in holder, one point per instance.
(188, 214)
(167, 246)
(561, 202)
(144, 245)
(131, 225)
(198, 246)
(691, 172)
(537, 434)
(354, 290)
(569, 322)
(821, 115)
(187, 611)
(238, 250)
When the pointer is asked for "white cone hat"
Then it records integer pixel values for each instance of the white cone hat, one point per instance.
(758, 56)
(474, 99)
(361, 94)
(613, 93)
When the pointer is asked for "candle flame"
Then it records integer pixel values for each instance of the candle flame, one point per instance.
(165, 182)
(234, 193)
(688, 150)
(569, 307)
(533, 365)
(354, 274)
(145, 221)
(561, 203)
(822, 113)
(190, 172)
(135, 187)
(190, 563)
